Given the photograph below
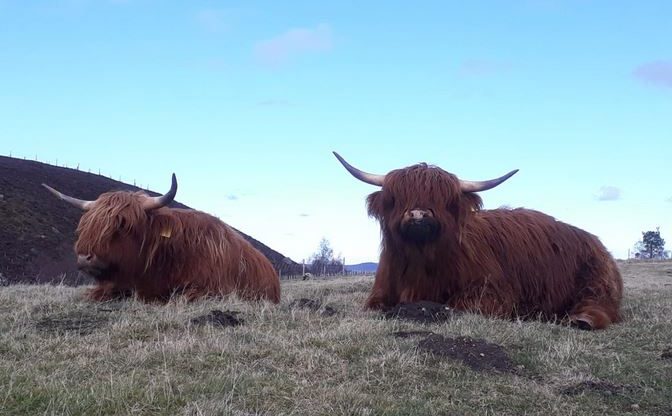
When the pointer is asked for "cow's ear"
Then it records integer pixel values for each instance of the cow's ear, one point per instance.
(471, 202)
(374, 204)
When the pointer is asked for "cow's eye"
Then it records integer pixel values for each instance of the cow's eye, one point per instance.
(122, 223)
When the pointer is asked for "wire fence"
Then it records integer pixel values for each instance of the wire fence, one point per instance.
(77, 167)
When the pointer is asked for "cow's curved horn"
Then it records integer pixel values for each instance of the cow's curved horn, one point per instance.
(79, 203)
(369, 178)
(477, 186)
(157, 202)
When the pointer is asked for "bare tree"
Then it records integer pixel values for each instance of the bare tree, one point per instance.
(323, 261)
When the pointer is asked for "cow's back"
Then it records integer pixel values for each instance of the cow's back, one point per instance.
(209, 257)
(545, 262)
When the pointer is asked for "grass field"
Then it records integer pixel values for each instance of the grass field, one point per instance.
(61, 355)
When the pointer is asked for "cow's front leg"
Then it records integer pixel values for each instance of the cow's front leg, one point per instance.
(107, 291)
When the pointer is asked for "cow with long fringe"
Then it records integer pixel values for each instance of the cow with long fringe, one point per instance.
(130, 242)
(439, 245)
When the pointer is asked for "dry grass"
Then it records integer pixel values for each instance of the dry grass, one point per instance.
(61, 355)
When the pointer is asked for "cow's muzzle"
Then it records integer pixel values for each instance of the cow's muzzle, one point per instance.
(419, 226)
(93, 266)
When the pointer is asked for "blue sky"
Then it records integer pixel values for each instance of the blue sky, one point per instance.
(245, 101)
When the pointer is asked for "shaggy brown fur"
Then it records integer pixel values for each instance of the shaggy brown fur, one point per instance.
(160, 252)
(502, 262)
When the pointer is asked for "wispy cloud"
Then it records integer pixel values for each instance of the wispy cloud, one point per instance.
(232, 197)
(212, 20)
(656, 73)
(482, 67)
(608, 193)
(304, 215)
(669, 199)
(280, 49)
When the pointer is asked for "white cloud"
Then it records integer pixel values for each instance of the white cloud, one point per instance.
(608, 193)
(280, 49)
(656, 73)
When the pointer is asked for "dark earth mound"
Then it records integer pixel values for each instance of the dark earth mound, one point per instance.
(667, 353)
(423, 311)
(602, 387)
(476, 354)
(313, 305)
(219, 318)
(37, 232)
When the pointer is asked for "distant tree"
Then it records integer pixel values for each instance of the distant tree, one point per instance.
(652, 245)
(323, 261)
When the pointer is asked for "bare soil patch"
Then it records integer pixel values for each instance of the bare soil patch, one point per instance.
(477, 354)
(219, 318)
(77, 324)
(314, 305)
(423, 312)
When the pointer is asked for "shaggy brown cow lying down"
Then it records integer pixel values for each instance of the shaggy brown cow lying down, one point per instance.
(438, 245)
(131, 242)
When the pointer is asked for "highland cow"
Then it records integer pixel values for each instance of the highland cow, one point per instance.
(439, 245)
(130, 242)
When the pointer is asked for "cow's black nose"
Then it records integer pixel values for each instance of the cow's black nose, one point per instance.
(84, 259)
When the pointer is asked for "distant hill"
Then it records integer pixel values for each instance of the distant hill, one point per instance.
(37, 232)
(368, 267)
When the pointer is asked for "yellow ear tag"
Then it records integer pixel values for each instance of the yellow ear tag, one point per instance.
(166, 233)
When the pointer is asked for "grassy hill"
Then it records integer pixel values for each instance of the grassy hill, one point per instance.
(37, 231)
(319, 353)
